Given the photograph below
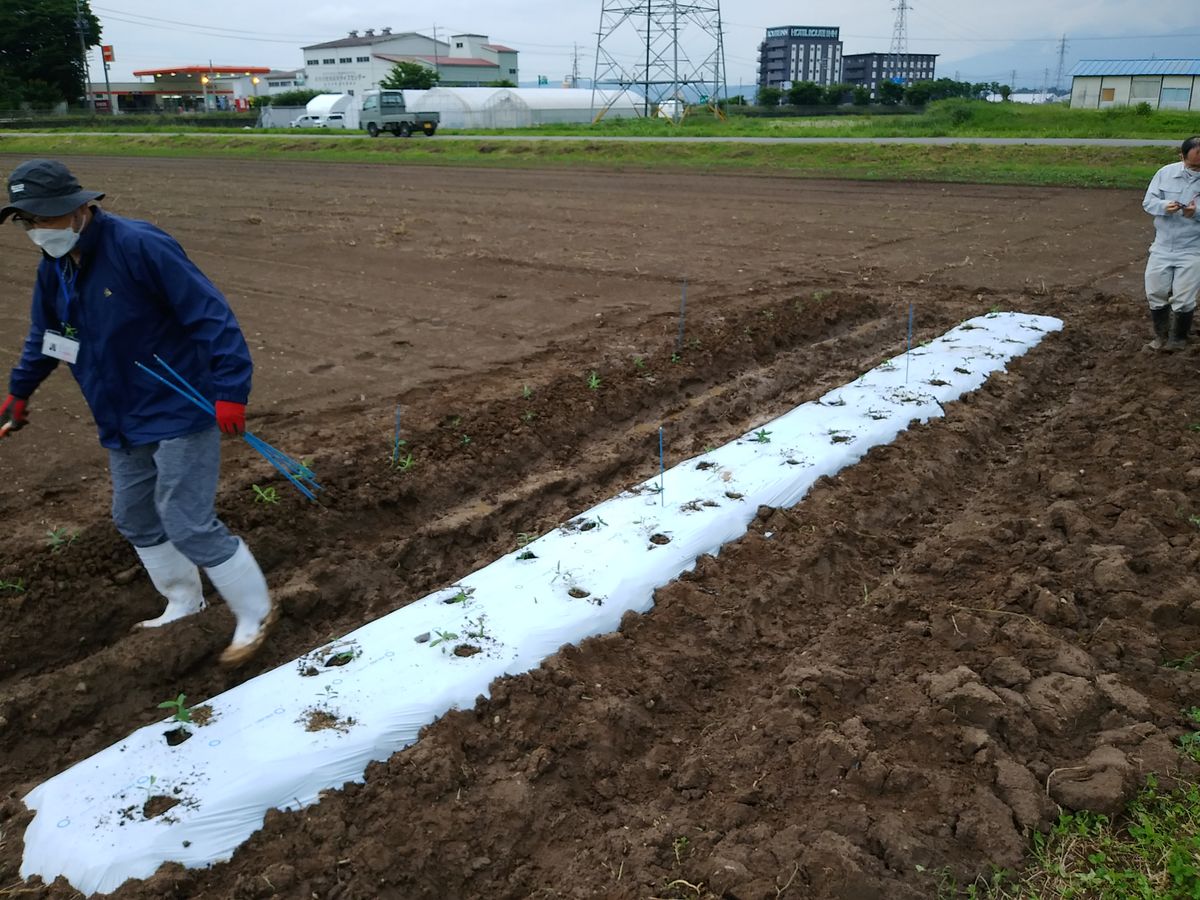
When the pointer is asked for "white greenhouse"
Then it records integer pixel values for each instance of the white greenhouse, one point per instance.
(522, 107)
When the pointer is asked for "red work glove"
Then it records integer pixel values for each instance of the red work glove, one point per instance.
(12, 415)
(231, 417)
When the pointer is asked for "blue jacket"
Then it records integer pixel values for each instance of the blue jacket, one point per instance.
(136, 294)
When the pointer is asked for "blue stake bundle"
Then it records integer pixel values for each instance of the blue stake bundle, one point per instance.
(297, 473)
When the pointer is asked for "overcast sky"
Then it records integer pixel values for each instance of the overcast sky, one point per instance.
(978, 41)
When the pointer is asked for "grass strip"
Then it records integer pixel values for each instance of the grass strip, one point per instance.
(1105, 167)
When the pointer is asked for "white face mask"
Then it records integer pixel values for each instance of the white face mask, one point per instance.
(57, 242)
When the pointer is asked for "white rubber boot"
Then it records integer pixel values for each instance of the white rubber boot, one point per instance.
(241, 584)
(176, 578)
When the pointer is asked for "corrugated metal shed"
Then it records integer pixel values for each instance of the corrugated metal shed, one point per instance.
(1090, 68)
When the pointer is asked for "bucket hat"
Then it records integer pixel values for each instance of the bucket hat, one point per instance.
(46, 188)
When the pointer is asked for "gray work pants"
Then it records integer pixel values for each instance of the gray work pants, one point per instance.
(167, 492)
(1172, 280)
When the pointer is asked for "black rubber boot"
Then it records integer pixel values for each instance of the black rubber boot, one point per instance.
(1161, 319)
(1181, 326)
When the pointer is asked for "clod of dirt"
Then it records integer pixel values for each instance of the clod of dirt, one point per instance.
(177, 736)
(202, 715)
(938, 382)
(706, 465)
(157, 805)
(841, 438)
(734, 495)
(466, 650)
(579, 593)
(659, 539)
(317, 719)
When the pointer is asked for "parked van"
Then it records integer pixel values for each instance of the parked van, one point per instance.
(308, 121)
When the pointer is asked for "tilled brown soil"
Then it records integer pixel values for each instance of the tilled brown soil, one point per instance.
(882, 690)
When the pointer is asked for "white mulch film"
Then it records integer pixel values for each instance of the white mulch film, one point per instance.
(401, 672)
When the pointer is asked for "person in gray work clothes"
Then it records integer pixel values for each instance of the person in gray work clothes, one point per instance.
(1173, 271)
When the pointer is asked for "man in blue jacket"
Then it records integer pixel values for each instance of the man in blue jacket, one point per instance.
(1173, 270)
(110, 292)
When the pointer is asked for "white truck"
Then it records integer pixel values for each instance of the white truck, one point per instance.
(385, 110)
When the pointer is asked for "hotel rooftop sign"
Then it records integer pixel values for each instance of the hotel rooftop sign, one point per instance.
(803, 32)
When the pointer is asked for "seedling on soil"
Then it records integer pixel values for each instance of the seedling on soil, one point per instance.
(524, 538)
(1194, 520)
(460, 597)
(639, 363)
(1186, 663)
(58, 539)
(466, 439)
(17, 585)
(820, 295)
(680, 846)
(443, 638)
(1190, 742)
(1195, 426)
(265, 495)
(529, 415)
(593, 381)
(526, 392)
(675, 357)
(182, 714)
(405, 464)
(762, 436)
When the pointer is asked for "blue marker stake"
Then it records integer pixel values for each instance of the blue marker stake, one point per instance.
(662, 469)
(396, 439)
(682, 312)
(908, 352)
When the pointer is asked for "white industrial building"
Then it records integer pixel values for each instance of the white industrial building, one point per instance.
(1163, 83)
(522, 107)
(358, 62)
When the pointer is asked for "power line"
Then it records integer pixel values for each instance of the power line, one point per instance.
(194, 25)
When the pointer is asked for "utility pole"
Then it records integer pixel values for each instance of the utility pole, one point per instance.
(436, 63)
(89, 99)
(1045, 81)
(575, 67)
(1012, 80)
(1062, 60)
(899, 35)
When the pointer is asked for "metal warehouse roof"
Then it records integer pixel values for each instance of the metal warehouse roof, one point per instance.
(1093, 67)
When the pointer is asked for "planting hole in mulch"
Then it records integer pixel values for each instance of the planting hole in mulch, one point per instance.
(659, 539)
(177, 736)
(938, 382)
(706, 465)
(422, 638)
(157, 805)
(318, 719)
(528, 554)
(466, 650)
(579, 593)
(841, 438)
(734, 495)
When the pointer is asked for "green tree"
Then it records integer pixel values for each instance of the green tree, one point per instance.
(410, 76)
(835, 94)
(890, 93)
(918, 93)
(1005, 92)
(298, 97)
(40, 60)
(860, 95)
(805, 93)
(769, 96)
(501, 82)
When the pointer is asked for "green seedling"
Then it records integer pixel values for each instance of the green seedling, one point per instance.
(1194, 520)
(58, 539)
(1190, 742)
(460, 597)
(639, 363)
(16, 585)
(265, 495)
(443, 638)
(477, 629)
(768, 314)
(820, 295)
(680, 846)
(675, 357)
(466, 439)
(1195, 426)
(182, 714)
(593, 381)
(526, 392)
(529, 415)
(694, 344)
(455, 421)
(524, 538)
(762, 436)
(405, 464)
(1185, 663)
